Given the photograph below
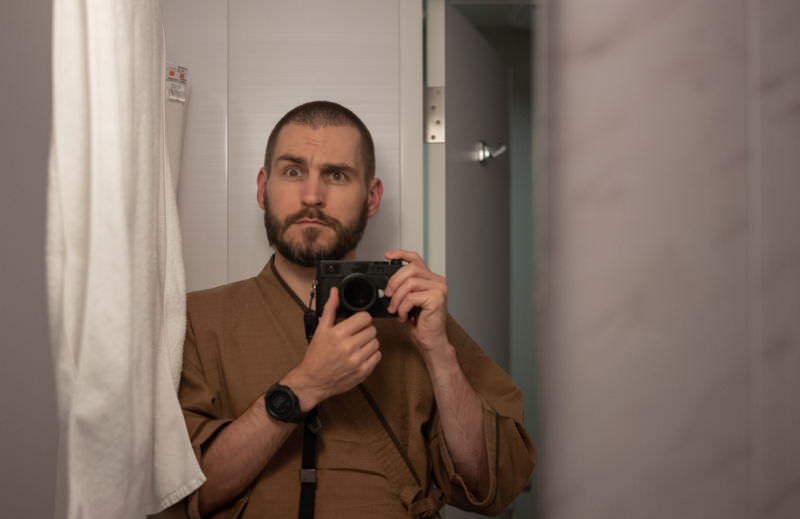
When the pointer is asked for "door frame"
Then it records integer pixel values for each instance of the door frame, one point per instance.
(436, 181)
(412, 183)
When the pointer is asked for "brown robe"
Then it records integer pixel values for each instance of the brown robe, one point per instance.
(244, 336)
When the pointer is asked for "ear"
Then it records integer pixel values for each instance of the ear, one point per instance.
(374, 197)
(261, 180)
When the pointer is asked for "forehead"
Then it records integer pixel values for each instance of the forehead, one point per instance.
(330, 144)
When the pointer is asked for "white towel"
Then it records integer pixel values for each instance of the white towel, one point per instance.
(115, 271)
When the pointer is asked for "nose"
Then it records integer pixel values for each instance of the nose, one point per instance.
(313, 191)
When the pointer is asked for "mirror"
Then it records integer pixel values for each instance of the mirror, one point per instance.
(249, 62)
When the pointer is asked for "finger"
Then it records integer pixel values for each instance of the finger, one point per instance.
(362, 338)
(408, 286)
(354, 324)
(329, 311)
(411, 257)
(428, 300)
(368, 350)
(410, 271)
(403, 285)
(371, 362)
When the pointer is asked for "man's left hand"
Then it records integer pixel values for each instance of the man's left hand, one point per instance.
(460, 408)
(412, 287)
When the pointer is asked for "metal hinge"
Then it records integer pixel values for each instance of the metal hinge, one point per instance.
(434, 114)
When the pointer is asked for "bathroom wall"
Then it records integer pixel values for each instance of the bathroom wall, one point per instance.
(28, 434)
(251, 61)
(670, 293)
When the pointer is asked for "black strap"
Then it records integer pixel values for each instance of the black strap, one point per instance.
(310, 321)
(308, 471)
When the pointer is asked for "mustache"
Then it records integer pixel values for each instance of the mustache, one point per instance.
(311, 214)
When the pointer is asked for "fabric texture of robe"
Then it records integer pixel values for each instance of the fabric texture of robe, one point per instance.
(244, 336)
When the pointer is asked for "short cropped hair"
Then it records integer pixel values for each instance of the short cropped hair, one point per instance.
(325, 113)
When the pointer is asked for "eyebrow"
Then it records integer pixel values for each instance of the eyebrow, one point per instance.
(291, 158)
(344, 168)
(300, 161)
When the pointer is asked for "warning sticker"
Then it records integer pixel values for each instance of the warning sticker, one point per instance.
(177, 88)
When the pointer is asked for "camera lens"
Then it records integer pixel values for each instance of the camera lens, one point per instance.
(358, 292)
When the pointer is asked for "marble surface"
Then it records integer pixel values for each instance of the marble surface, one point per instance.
(777, 197)
(670, 356)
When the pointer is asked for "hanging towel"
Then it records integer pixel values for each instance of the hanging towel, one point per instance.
(115, 270)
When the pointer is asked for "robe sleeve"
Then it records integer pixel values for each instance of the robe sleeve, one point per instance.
(204, 418)
(509, 449)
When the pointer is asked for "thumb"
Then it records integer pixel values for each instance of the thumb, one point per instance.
(329, 311)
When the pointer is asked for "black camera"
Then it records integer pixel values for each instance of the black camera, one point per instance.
(360, 285)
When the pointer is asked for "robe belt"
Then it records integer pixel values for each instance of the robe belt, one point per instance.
(361, 410)
(419, 505)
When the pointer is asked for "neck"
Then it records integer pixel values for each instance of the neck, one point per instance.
(300, 279)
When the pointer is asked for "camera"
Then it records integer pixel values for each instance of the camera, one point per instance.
(360, 285)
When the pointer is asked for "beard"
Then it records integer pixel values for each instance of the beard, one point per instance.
(305, 251)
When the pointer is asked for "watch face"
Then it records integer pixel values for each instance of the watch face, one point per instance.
(280, 403)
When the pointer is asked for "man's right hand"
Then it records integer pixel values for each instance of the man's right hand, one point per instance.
(340, 356)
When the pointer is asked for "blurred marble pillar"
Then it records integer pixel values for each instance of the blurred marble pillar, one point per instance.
(670, 301)
(776, 186)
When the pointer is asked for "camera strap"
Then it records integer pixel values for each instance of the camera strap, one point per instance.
(310, 317)
(308, 469)
(310, 320)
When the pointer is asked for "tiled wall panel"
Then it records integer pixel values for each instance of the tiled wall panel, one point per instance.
(250, 62)
(283, 54)
(197, 37)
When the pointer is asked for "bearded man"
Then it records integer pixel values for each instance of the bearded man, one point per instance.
(366, 418)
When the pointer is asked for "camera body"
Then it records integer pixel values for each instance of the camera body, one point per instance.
(360, 285)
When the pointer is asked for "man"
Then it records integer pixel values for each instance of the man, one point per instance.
(412, 413)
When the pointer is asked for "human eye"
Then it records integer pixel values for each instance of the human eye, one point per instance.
(337, 176)
(292, 172)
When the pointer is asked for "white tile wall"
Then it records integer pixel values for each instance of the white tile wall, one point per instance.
(250, 62)
(196, 33)
(283, 54)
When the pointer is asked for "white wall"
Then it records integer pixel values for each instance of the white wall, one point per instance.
(249, 63)
(670, 364)
(196, 34)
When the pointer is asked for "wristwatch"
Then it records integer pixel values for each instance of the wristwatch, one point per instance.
(282, 404)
